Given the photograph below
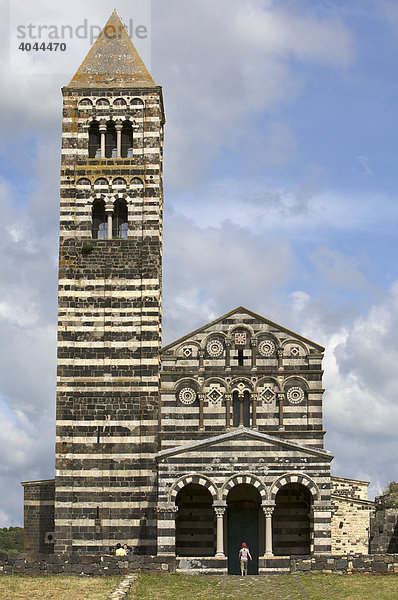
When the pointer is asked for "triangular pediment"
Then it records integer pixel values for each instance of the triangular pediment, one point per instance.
(113, 61)
(247, 318)
(243, 434)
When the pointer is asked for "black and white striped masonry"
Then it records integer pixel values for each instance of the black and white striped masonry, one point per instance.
(109, 319)
(185, 450)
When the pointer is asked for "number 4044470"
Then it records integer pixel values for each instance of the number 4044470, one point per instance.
(49, 46)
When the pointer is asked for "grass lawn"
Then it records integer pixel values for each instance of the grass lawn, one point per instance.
(266, 587)
(55, 587)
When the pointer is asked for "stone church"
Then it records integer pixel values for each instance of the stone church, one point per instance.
(185, 450)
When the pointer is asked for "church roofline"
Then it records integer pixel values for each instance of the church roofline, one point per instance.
(238, 432)
(253, 314)
(335, 477)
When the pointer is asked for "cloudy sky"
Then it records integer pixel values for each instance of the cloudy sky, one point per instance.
(280, 195)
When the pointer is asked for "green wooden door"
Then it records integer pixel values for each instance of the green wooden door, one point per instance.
(242, 527)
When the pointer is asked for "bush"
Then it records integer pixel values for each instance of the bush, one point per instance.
(11, 539)
(87, 248)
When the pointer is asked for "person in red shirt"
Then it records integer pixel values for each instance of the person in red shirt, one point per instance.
(244, 556)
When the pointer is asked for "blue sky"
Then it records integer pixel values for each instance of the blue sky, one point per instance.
(280, 194)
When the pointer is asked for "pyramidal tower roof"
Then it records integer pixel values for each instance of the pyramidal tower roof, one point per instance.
(112, 61)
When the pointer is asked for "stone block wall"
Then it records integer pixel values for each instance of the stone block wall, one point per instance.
(109, 326)
(241, 358)
(73, 564)
(352, 488)
(384, 531)
(39, 516)
(350, 525)
(351, 513)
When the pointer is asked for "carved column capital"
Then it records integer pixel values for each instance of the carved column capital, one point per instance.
(268, 509)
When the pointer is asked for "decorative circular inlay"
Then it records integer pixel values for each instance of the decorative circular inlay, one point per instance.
(215, 348)
(187, 352)
(295, 351)
(266, 347)
(295, 395)
(187, 396)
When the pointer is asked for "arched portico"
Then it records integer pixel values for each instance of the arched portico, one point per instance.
(194, 528)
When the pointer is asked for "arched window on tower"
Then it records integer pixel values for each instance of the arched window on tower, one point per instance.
(119, 223)
(94, 140)
(127, 140)
(110, 140)
(99, 221)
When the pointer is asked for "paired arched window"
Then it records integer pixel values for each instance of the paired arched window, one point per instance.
(100, 220)
(111, 141)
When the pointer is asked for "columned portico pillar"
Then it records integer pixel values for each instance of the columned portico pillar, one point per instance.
(166, 528)
(219, 509)
(268, 510)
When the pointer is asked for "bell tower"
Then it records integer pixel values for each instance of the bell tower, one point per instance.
(109, 306)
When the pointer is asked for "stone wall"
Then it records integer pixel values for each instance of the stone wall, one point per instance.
(350, 525)
(73, 564)
(36, 564)
(109, 326)
(351, 513)
(39, 516)
(352, 488)
(384, 531)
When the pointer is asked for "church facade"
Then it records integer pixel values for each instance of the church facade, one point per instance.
(187, 450)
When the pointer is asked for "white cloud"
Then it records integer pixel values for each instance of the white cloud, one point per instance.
(27, 451)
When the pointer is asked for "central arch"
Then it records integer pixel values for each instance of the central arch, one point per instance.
(244, 523)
